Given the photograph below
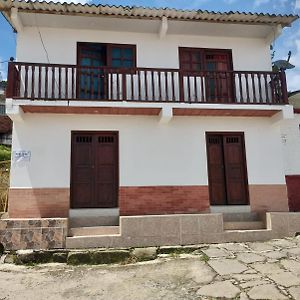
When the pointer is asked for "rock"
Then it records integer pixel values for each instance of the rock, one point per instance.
(9, 259)
(224, 289)
(78, 258)
(249, 258)
(60, 257)
(266, 292)
(24, 257)
(109, 256)
(216, 253)
(267, 268)
(143, 254)
(277, 254)
(177, 249)
(295, 292)
(260, 246)
(291, 265)
(200, 273)
(227, 266)
(252, 283)
(234, 247)
(286, 279)
(1, 249)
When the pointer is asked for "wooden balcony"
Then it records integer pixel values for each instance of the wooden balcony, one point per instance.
(70, 82)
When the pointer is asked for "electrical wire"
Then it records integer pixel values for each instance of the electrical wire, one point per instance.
(44, 47)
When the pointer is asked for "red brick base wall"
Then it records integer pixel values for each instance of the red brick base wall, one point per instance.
(39, 203)
(153, 200)
(268, 197)
(293, 187)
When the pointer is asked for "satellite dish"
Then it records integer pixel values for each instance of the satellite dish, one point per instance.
(284, 64)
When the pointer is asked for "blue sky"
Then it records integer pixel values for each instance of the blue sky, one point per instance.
(289, 40)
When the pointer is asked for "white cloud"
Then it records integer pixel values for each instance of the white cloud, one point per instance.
(297, 4)
(258, 3)
(230, 1)
(293, 80)
(3, 70)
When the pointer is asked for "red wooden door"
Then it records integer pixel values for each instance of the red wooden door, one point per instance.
(215, 157)
(227, 169)
(94, 170)
(215, 66)
(235, 169)
(219, 83)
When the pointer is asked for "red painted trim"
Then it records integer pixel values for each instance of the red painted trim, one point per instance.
(297, 110)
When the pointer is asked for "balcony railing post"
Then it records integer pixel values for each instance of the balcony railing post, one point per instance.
(10, 89)
(283, 85)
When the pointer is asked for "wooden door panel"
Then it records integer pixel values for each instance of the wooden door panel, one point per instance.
(106, 170)
(94, 179)
(82, 184)
(217, 184)
(235, 169)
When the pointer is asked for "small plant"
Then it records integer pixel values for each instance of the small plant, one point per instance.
(204, 257)
(5, 153)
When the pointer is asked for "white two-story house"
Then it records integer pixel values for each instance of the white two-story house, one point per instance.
(128, 111)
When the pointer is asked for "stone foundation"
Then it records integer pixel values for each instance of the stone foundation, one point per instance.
(33, 233)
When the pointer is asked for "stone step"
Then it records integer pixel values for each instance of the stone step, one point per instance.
(93, 217)
(241, 217)
(94, 241)
(94, 230)
(92, 221)
(244, 225)
(248, 235)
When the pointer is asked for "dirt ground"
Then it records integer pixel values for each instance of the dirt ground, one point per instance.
(269, 270)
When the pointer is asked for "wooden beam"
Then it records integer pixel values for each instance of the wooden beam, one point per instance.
(15, 19)
(163, 27)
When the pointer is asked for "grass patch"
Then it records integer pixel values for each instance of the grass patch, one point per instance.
(5, 153)
(204, 257)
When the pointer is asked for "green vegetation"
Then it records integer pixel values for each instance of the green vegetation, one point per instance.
(5, 153)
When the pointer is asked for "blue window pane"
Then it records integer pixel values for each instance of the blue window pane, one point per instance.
(211, 66)
(127, 63)
(116, 53)
(128, 53)
(116, 63)
(85, 61)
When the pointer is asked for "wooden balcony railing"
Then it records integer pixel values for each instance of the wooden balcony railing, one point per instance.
(70, 82)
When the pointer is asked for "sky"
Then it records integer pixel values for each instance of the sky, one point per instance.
(289, 40)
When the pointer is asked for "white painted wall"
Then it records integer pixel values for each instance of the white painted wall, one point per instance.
(150, 153)
(290, 131)
(248, 53)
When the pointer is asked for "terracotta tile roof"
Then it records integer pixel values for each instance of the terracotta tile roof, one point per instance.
(5, 124)
(146, 12)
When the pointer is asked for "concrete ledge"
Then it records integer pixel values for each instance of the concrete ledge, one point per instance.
(172, 230)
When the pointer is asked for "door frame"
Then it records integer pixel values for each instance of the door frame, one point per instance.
(116, 133)
(245, 171)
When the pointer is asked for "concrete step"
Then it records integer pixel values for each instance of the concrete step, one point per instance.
(93, 221)
(248, 235)
(244, 225)
(94, 241)
(95, 230)
(241, 217)
(93, 217)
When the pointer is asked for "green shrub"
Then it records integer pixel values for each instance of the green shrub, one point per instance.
(5, 153)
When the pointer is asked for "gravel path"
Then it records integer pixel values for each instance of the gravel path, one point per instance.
(269, 270)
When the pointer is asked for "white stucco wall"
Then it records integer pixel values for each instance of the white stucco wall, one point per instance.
(150, 153)
(290, 131)
(248, 53)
